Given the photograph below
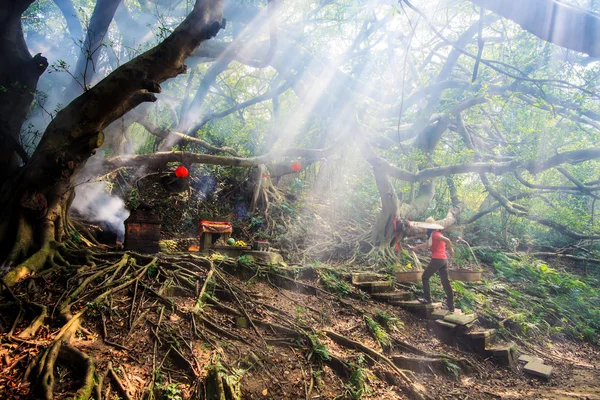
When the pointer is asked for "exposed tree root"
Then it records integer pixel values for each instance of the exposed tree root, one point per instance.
(221, 386)
(37, 323)
(33, 264)
(92, 289)
(117, 381)
(408, 385)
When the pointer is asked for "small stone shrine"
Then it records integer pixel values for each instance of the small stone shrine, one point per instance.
(211, 231)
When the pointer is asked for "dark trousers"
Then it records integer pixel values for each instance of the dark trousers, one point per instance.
(438, 265)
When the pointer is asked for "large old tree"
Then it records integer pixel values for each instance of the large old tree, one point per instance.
(436, 111)
(36, 195)
(396, 110)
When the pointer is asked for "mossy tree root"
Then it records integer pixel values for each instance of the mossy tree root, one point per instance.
(64, 353)
(221, 386)
(37, 323)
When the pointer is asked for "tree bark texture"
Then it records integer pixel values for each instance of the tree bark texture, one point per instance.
(19, 74)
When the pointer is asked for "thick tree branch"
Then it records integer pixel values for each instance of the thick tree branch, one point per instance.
(87, 62)
(495, 206)
(173, 136)
(534, 167)
(73, 24)
(19, 73)
(162, 158)
(569, 189)
(76, 131)
(577, 183)
(514, 209)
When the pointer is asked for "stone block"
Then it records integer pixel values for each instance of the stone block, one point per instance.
(418, 364)
(438, 314)
(361, 277)
(538, 369)
(527, 359)
(264, 257)
(422, 310)
(465, 329)
(504, 354)
(382, 287)
(445, 331)
(460, 319)
(476, 342)
(376, 287)
(392, 297)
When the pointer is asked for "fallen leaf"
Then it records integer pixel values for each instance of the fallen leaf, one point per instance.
(265, 392)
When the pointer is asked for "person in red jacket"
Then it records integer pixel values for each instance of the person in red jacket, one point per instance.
(439, 262)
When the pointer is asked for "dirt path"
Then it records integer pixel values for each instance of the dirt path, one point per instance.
(580, 383)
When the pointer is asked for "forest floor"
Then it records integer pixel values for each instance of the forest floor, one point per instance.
(186, 327)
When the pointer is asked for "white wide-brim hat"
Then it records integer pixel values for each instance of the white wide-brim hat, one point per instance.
(428, 224)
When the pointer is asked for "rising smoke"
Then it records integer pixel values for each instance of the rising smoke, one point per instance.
(94, 203)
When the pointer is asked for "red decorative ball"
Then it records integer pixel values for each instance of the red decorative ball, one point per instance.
(296, 166)
(181, 172)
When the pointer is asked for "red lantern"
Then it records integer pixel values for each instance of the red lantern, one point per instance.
(296, 166)
(181, 172)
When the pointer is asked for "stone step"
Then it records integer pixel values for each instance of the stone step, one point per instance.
(461, 319)
(526, 358)
(444, 331)
(393, 297)
(362, 277)
(416, 307)
(438, 314)
(504, 354)
(376, 287)
(538, 369)
(477, 341)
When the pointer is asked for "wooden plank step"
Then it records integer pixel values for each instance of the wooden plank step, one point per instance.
(376, 287)
(392, 297)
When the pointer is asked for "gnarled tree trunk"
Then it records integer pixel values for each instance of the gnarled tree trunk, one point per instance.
(35, 197)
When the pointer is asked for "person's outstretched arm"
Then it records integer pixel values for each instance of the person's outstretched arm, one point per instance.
(419, 246)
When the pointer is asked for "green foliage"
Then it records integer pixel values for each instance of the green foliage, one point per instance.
(317, 350)
(452, 368)
(465, 298)
(378, 332)
(152, 271)
(358, 379)
(549, 300)
(388, 322)
(171, 391)
(334, 284)
(244, 260)
(164, 390)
